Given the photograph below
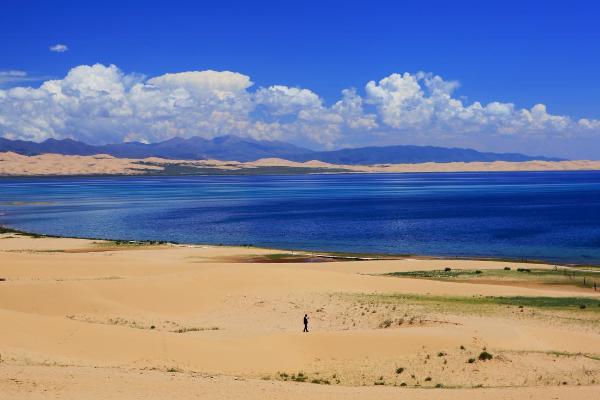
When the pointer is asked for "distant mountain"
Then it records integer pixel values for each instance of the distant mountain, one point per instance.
(64, 146)
(229, 148)
(413, 155)
(234, 148)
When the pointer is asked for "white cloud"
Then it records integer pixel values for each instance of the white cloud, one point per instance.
(282, 100)
(13, 77)
(12, 74)
(221, 84)
(424, 102)
(350, 108)
(59, 48)
(100, 104)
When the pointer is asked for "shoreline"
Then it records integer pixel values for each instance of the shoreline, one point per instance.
(359, 256)
(151, 175)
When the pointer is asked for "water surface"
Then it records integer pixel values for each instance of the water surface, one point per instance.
(553, 216)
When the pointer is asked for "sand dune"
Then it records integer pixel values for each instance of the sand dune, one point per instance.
(88, 319)
(84, 383)
(12, 164)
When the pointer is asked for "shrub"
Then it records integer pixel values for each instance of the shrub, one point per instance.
(478, 271)
(403, 384)
(447, 269)
(582, 306)
(441, 354)
(462, 347)
(399, 370)
(380, 381)
(471, 360)
(184, 330)
(484, 356)
(299, 378)
(428, 379)
(507, 268)
(386, 324)
(439, 385)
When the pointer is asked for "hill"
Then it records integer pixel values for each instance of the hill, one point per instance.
(234, 148)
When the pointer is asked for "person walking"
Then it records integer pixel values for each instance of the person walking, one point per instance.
(305, 323)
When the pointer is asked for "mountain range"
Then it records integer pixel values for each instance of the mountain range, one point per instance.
(234, 148)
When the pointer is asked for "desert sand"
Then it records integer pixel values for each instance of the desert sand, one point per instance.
(12, 164)
(83, 319)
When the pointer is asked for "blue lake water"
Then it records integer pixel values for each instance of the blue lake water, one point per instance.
(553, 216)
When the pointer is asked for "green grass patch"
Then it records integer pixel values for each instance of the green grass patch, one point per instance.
(131, 243)
(464, 302)
(561, 276)
(278, 256)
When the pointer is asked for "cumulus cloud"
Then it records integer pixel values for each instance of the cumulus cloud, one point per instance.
(59, 48)
(222, 84)
(281, 100)
(100, 104)
(425, 102)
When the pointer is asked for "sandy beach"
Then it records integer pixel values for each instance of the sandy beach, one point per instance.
(12, 164)
(86, 319)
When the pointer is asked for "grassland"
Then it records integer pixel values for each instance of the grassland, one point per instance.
(583, 278)
(580, 304)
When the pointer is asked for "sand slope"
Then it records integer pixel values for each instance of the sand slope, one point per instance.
(88, 319)
(12, 164)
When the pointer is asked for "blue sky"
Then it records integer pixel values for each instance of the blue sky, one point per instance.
(497, 52)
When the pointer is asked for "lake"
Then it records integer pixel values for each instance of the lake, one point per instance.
(552, 216)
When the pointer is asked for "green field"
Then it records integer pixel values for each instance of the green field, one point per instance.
(560, 276)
